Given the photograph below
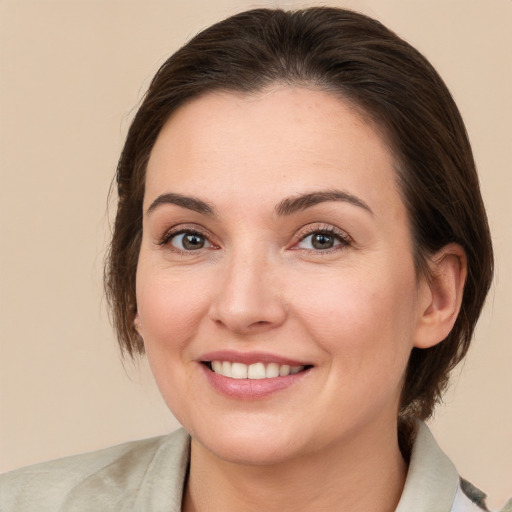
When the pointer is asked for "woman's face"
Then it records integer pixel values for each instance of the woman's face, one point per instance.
(276, 290)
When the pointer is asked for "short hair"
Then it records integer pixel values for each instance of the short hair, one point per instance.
(365, 64)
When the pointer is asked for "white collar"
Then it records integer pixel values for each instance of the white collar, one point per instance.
(432, 483)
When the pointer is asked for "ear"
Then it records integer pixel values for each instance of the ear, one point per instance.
(440, 296)
(137, 324)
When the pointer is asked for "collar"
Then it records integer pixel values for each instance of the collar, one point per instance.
(432, 480)
(431, 485)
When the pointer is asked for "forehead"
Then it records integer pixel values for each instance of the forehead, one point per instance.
(274, 143)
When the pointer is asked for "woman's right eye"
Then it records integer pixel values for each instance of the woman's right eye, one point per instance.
(188, 241)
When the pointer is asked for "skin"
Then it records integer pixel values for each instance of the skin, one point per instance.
(353, 311)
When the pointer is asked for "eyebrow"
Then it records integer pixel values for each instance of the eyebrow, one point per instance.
(191, 203)
(287, 206)
(301, 202)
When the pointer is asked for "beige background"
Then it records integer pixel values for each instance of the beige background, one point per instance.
(71, 73)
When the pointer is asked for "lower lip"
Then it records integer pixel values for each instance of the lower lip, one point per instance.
(250, 389)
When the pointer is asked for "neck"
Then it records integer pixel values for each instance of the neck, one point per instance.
(367, 473)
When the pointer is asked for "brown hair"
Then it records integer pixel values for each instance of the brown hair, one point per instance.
(363, 62)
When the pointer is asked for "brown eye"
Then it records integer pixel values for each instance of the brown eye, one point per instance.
(189, 241)
(322, 241)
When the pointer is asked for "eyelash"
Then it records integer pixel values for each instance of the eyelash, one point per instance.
(328, 230)
(172, 233)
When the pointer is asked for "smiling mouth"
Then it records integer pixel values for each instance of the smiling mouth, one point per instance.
(256, 371)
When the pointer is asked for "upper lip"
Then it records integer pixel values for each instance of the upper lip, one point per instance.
(250, 358)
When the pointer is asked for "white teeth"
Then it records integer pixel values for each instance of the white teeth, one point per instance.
(239, 371)
(226, 369)
(254, 371)
(284, 370)
(217, 366)
(272, 371)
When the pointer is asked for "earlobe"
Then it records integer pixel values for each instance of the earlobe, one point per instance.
(441, 296)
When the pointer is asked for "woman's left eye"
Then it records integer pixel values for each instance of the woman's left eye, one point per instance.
(322, 241)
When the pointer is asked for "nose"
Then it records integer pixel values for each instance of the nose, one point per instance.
(249, 299)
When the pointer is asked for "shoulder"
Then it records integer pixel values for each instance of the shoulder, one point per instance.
(110, 479)
(433, 482)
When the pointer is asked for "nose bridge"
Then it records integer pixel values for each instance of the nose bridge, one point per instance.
(248, 297)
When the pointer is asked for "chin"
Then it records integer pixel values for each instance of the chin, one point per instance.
(250, 446)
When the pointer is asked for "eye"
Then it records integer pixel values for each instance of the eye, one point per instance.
(188, 240)
(323, 239)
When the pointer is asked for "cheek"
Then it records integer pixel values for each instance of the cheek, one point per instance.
(362, 322)
(170, 312)
(170, 309)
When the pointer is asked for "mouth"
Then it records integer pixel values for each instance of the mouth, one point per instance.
(254, 371)
(251, 376)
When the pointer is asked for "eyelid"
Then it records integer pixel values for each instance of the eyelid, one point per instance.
(195, 229)
(329, 229)
(299, 236)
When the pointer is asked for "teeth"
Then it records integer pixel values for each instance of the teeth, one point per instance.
(284, 370)
(254, 371)
(272, 371)
(226, 369)
(238, 370)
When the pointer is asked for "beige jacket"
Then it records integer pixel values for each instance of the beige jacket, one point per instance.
(148, 476)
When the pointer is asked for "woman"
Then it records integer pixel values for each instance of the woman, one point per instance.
(302, 252)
